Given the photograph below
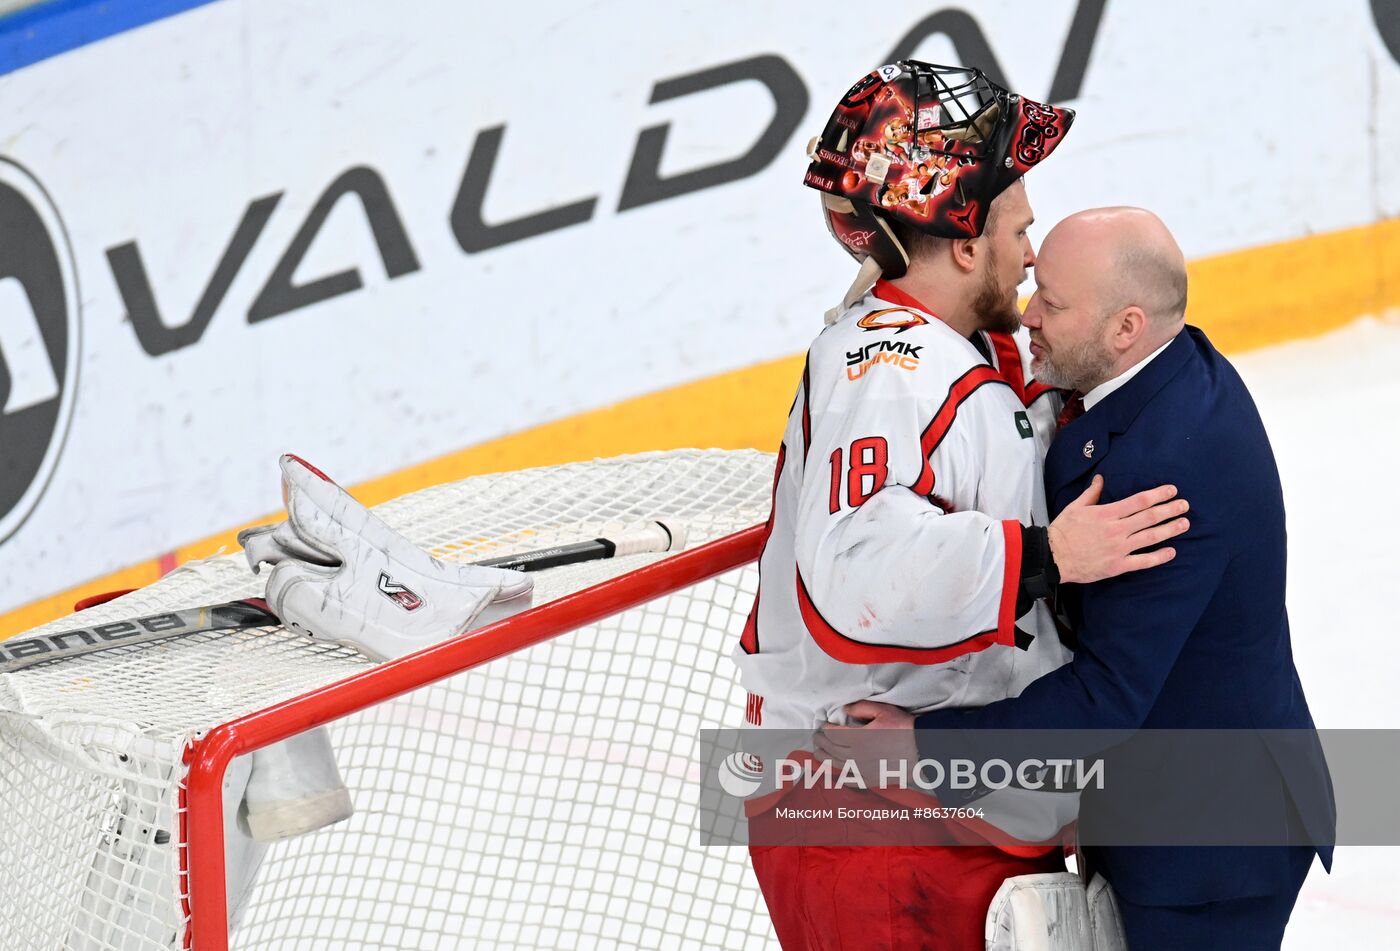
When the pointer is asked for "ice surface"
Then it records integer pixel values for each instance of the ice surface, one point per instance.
(1329, 405)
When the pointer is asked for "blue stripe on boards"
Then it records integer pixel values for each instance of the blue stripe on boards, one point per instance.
(36, 33)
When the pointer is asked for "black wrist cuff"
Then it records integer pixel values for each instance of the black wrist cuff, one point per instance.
(1039, 575)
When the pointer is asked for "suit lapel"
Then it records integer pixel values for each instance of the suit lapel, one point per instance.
(1077, 450)
(1080, 446)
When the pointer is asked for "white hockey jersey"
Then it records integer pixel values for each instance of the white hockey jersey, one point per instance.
(892, 561)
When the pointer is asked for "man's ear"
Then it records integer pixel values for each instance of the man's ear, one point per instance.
(965, 252)
(1129, 325)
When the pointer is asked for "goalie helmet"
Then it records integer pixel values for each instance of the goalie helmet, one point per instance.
(930, 146)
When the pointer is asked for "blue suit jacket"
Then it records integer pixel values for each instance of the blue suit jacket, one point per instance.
(1199, 643)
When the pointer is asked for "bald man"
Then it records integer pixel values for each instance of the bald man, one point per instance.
(1199, 643)
(1112, 296)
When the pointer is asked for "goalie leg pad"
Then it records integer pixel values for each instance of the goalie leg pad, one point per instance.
(1105, 920)
(1048, 912)
(295, 788)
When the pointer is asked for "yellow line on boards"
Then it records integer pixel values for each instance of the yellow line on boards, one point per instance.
(1302, 288)
(738, 410)
(1243, 299)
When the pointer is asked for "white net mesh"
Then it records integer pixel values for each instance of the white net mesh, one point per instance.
(492, 809)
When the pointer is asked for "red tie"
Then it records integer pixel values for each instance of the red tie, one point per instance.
(1074, 408)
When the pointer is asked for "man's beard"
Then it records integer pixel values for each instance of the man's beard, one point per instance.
(1081, 366)
(995, 307)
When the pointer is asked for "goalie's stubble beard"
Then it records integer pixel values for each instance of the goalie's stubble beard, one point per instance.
(994, 305)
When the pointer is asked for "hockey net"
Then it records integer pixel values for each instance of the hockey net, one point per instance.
(491, 807)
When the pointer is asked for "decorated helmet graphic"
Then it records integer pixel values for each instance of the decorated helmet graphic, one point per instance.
(929, 146)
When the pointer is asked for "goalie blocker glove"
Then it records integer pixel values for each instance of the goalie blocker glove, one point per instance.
(340, 574)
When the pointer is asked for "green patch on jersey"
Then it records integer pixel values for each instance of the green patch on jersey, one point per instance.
(1023, 425)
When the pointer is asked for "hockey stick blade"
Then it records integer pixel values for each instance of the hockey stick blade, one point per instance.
(652, 536)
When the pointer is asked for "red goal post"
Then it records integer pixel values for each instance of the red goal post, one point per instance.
(653, 632)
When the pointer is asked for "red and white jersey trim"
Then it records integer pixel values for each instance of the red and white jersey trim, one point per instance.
(892, 561)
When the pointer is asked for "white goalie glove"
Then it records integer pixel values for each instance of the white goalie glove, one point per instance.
(340, 574)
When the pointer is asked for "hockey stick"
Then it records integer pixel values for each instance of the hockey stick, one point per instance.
(646, 537)
(653, 536)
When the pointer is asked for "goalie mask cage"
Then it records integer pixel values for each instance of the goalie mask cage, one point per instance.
(489, 808)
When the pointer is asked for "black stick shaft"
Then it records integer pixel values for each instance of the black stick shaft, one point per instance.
(593, 550)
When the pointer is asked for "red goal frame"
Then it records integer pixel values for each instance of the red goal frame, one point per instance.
(204, 899)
